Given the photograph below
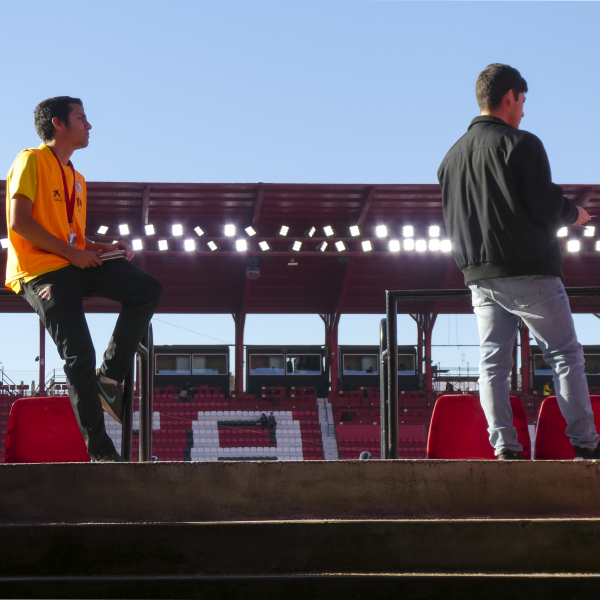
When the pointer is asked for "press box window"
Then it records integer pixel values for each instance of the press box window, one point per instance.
(361, 364)
(209, 364)
(540, 366)
(267, 364)
(406, 364)
(173, 364)
(303, 364)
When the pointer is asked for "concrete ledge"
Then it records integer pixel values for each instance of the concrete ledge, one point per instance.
(230, 491)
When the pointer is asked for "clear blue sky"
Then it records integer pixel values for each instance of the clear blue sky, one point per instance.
(292, 91)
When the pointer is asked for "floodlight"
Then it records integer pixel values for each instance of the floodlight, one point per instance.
(4, 242)
(264, 246)
(124, 229)
(189, 245)
(573, 246)
(229, 230)
(434, 244)
(137, 245)
(409, 244)
(354, 230)
(296, 246)
(163, 245)
(102, 229)
(199, 231)
(421, 245)
(394, 246)
(381, 231)
(311, 232)
(589, 231)
(328, 229)
(367, 246)
(284, 230)
(434, 231)
(213, 246)
(340, 246)
(408, 231)
(322, 247)
(250, 231)
(598, 246)
(446, 246)
(562, 232)
(149, 229)
(241, 245)
(177, 229)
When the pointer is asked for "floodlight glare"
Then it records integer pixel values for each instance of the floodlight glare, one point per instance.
(367, 246)
(408, 231)
(241, 245)
(189, 245)
(421, 245)
(562, 232)
(409, 244)
(137, 245)
(264, 246)
(4, 242)
(322, 247)
(573, 246)
(434, 231)
(394, 246)
(199, 231)
(102, 229)
(311, 231)
(229, 230)
(598, 246)
(354, 230)
(340, 246)
(589, 231)
(284, 230)
(163, 245)
(250, 231)
(446, 246)
(177, 229)
(434, 244)
(381, 231)
(213, 247)
(124, 229)
(149, 229)
(296, 246)
(328, 229)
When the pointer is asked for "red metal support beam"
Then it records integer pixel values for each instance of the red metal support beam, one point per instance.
(366, 206)
(145, 218)
(240, 323)
(258, 205)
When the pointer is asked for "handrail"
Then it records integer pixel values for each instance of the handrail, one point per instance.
(389, 354)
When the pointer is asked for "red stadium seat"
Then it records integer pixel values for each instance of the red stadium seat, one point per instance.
(459, 429)
(44, 430)
(551, 442)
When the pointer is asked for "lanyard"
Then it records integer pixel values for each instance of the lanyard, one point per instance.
(69, 198)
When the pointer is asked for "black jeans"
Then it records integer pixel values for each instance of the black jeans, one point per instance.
(64, 318)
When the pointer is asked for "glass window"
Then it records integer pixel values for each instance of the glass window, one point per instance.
(209, 364)
(303, 364)
(406, 364)
(361, 364)
(267, 364)
(592, 364)
(540, 367)
(173, 364)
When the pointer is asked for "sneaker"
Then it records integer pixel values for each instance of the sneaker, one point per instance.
(506, 454)
(111, 397)
(587, 453)
(113, 457)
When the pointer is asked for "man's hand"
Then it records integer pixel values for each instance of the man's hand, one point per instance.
(83, 259)
(583, 217)
(123, 245)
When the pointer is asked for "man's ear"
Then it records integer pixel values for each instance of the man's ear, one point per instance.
(58, 124)
(510, 97)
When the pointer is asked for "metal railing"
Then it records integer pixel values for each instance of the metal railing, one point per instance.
(389, 353)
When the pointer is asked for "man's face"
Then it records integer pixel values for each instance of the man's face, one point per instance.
(516, 112)
(77, 130)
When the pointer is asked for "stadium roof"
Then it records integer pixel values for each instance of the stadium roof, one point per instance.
(303, 281)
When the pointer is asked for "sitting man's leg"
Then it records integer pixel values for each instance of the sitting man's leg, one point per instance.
(60, 307)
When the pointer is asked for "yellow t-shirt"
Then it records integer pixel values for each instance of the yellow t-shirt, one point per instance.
(36, 174)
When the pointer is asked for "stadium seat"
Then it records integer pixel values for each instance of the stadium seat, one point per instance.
(459, 429)
(44, 430)
(551, 442)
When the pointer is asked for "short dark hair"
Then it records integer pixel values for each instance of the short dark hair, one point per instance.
(494, 82)
(45, 111)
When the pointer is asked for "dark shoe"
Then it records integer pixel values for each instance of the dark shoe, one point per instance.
(111, 397)
(506, 454)
(113, 457)
(587, 453)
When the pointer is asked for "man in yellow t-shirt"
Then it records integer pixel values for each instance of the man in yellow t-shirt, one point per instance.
(54, 266)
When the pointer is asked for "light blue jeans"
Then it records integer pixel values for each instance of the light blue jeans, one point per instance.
(542, 303)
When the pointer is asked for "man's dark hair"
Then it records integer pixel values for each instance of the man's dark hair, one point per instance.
(494, 82)
(45, 111)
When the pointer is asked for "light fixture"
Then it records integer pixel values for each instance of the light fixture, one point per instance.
(354, 230)
(434, 231)
(241, 245)
(296, 246)
(284, 230)
(292, 262)
(367, 246)
(213, 246)
(394, 246)
(408, 231)
(409, 244)
(199, 231)
(340, 246)
(421, 245)
(264, 246)
(250, 231)
(573, 245)
(589, 231)
(446, 246)
(562, 232)
(163, 245)
(137, 245)
(328, 229)
(124, 229)
(149, 229)
(434, 244)
(177, 229)
(102, 229)
(598, 246)
(229, 230)
(189, 245)
(4, 242)
(322, 247)
(381, 231)
(311, 232)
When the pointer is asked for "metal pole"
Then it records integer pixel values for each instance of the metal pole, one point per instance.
(145, 450)
(392, 347)
(127, 427)
(383, 387)
(42, 372)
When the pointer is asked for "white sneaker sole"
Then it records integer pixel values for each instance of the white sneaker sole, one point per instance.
(107, 408)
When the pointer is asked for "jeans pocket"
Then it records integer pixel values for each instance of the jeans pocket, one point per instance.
(526, 294)
(477, 296)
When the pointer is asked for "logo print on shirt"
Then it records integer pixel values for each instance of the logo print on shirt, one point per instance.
(78, 186)
(79, 202)
(56, 193)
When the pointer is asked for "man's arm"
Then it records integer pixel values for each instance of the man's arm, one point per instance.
(27, 227)
(121, 244)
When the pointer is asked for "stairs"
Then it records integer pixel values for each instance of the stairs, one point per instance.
(330, 447)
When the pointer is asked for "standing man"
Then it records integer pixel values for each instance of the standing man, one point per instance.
(52, 264)
(502, 212)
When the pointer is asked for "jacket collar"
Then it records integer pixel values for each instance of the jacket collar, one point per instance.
(488, 119)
